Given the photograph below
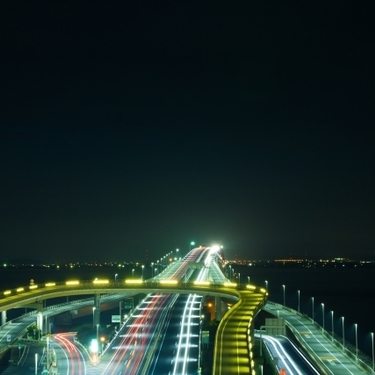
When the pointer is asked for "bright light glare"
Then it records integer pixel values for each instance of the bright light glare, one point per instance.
(97, 281)
(72, 282)
(230, 284)
(215, 248)
(94, 347)
(169, 282)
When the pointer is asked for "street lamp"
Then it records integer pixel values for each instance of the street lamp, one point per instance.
(116, 277)
(142, 270)
(298, 301)
(97, 334)
(152, 269)
(343, 332)
(102, 339)
(356, 342)
(230, 273)
(192, 243)
(372, 351)
(322, 304)
(312, 308)
(133, 273)
(239, 278)
(266, 285)
(93, 316)
(333, 333)
(248, 279)
(283, 294)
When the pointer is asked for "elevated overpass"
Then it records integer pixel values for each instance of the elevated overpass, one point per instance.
(29, 296)
(228, 358)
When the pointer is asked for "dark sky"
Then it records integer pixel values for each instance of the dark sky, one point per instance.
(133, 126)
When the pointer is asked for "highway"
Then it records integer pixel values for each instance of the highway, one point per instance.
(149, 330)
(327, 354)
(167, 326)
(139, 335)
(186, 346)
(70, 358)
(287, 356)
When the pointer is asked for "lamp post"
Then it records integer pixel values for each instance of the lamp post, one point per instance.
(93, 316)
(248, 279)
(239, 278)
(356, 342)
(230, 273)
(266, 285)
(142, 270)
(333, 333)
(283, 294)
(133, 273)
(152, 269)
(119, 311)
(322, 304)
(312, 308)
(298, 301)
(97, 334)
(372, 351)
(192, 243)
(116, 277)
(102, 339)
(343, 331)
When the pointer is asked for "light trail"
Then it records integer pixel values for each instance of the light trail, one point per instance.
(76, 363)
(137, 329)
(189, 315)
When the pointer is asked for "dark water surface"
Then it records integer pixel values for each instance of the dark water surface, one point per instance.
(348, 291)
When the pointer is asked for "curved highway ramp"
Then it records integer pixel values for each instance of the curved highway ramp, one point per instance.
(234, 339)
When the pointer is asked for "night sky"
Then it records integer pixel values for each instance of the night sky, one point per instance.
(137, 126)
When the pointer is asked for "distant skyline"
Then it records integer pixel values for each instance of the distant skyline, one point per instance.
(263, 262)
(129, 129)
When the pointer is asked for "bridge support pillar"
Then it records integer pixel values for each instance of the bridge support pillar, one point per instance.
(3, 317)
(96, 311)
(218, 309)
(39, 315)
(39, 321)
(46, 325)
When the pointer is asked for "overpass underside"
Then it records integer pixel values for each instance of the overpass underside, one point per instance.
(234, 339)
